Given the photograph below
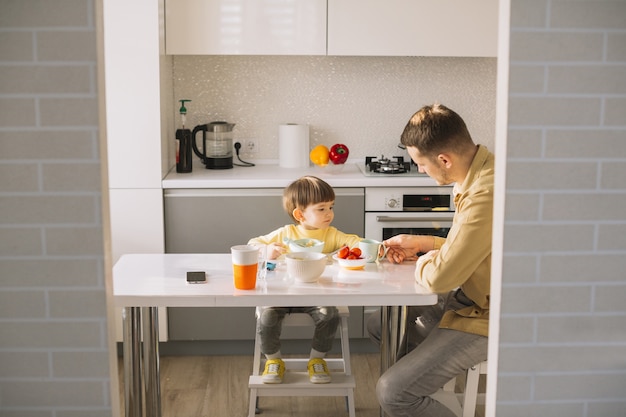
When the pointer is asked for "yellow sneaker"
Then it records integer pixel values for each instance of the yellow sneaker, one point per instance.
(318, 371)
(273, 372)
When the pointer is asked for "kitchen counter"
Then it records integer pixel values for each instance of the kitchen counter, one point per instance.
(270, 175)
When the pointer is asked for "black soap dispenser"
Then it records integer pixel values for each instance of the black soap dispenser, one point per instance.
(183, 142)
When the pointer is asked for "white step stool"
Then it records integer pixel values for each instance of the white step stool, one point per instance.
(296, 380)
(467, 406)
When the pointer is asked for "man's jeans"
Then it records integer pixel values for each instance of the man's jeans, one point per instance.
(435, 356)
(269, 326)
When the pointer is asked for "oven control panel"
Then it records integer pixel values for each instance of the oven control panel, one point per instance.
(394, 202)
(409, 199)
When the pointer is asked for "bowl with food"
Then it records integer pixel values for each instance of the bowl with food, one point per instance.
(306, 245)
(305, 266)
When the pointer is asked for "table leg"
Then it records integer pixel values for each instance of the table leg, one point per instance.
(132, 361)
(385, 339)
(152, 378)
(393, 326)
(403, 342)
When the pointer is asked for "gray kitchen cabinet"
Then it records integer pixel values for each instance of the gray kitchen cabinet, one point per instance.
(213, 220)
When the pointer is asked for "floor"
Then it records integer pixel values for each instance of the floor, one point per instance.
(207, 386)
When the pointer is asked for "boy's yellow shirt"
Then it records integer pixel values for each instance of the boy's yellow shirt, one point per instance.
(333, 239)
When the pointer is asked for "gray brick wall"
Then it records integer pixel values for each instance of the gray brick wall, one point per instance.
(563, 339)
(53, 350)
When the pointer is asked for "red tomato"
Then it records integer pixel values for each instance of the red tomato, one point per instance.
(352, 256)
(356, 252)
(343, 252)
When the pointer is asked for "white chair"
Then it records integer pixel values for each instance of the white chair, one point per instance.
(470, 393)
(296, 380)
(466, 407)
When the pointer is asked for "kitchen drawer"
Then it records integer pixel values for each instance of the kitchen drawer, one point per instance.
(213, 220)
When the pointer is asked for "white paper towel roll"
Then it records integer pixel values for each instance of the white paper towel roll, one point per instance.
(293, 145)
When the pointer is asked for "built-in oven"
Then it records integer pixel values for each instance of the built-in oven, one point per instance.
(410, 210)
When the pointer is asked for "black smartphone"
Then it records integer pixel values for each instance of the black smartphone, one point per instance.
(196, 277)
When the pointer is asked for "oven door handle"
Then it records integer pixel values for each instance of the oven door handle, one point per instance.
(391, 219)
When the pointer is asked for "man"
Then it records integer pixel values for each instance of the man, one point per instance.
(451, 336)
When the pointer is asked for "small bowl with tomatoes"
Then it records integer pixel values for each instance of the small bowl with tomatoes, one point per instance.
(350, 258)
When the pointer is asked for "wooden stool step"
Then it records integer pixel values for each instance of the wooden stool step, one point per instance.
(296, 381)
(300, 381)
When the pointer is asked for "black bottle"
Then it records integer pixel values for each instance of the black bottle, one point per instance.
(183, 150)
(183, 143)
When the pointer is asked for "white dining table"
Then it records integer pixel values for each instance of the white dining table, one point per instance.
(144, 282)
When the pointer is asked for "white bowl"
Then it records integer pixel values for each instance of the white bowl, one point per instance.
(305, 266)
(351, 263)
(306, 245)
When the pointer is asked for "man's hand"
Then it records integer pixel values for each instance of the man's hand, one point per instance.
(406, 247)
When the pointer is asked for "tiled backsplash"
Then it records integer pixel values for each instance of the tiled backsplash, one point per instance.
(363, 102)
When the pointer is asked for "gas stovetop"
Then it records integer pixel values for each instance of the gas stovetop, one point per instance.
(375, 166)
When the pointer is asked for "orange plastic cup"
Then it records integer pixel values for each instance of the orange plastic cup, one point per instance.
(245, 265)
(245, 276)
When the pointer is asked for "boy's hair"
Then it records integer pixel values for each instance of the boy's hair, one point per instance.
(435, 129)
(305, 191)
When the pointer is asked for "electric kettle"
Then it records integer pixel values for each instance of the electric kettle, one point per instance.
(217, 144)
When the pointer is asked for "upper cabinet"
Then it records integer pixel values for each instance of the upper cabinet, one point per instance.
(245, 27)
(413, 27)
(332, 27)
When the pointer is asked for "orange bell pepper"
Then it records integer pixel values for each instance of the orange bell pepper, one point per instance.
(320, 155)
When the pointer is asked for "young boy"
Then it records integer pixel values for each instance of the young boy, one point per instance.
(309, 202)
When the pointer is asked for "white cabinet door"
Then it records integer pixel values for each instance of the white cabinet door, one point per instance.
(245, 27)
(413, 27)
